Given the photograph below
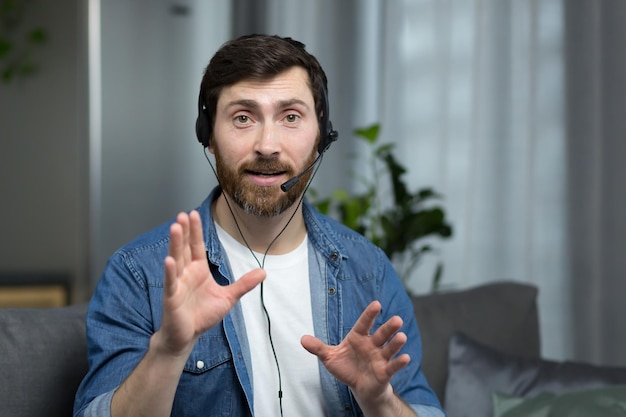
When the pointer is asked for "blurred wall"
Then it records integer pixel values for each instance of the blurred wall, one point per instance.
(43, 149)
(70, 200)
(153, 54)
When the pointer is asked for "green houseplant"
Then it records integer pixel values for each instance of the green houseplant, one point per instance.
(18, 44)
(403, 223)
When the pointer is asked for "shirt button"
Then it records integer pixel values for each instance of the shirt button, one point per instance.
(200, 364)
(334, 256)
(331, 291)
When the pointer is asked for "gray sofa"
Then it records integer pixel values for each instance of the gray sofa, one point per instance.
(43, 352)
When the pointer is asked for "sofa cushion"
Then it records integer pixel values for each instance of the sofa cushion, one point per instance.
(606, 402)
(43, 358)
(502, 315)
(477, 372)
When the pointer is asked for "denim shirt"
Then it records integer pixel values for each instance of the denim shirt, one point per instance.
(347, 272)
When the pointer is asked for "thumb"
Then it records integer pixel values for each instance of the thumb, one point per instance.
(247, 282)
(313, 345)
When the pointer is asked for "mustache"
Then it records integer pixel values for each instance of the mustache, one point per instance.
(266, 165)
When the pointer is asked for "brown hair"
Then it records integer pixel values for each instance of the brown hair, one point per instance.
(258, 57)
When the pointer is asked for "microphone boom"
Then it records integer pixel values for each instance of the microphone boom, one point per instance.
(287, 185)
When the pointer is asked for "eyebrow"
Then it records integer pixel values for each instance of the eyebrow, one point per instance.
(251, 104)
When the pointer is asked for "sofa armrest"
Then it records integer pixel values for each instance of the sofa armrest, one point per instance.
(43, 358)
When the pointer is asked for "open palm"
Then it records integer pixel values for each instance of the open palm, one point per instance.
(192, 301)
(364, 362)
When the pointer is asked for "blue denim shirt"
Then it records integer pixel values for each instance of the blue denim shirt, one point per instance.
(347, 272)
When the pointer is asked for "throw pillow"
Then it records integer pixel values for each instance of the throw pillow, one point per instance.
(599, 402)
(477, 371)
(502, 314)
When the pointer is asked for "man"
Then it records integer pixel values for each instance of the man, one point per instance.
(213, 314)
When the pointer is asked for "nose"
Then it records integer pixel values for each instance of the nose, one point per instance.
(268, 142)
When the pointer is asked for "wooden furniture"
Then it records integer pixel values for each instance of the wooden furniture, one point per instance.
(34, 290)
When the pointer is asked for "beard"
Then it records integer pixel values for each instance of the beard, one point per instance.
(263, 201)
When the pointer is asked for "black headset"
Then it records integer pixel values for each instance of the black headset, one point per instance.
(328, 135)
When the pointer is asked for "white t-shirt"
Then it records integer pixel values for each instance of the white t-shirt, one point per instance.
(286, 293)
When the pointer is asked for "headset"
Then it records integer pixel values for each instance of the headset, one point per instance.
(328, 135)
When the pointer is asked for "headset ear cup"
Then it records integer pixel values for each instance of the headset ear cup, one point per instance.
(203, 124)
(328, 134)
(203, 129)
(332, 134)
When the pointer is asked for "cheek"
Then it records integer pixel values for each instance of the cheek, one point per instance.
(307, 142)
(229, 150)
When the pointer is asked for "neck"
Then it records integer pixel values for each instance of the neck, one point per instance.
(260, 232)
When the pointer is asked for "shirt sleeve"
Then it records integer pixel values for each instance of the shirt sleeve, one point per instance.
(119, 326)
(101, 406)
(409, 383)
(427, 411)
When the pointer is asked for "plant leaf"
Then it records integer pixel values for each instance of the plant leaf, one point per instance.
(369, 133)
(5, 48)
(396, 170)
(7, 74)
(37, 36)
(437, 277)
(323, 206)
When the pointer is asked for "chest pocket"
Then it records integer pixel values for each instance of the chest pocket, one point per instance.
(210, 351)
(209, 384)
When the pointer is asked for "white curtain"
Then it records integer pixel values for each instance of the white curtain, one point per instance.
(473, 96)
(596, 126)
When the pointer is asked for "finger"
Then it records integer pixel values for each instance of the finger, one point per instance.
(246, 283)
(313, 345)
(175, 247)
(397, 364)
(183, 220)
(196, 237)
(365, 322)
(170, 283)
(386, 331)
(394, 346)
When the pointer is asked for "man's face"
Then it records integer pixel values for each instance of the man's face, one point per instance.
(265, 133)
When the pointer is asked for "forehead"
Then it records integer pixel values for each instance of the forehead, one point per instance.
(290, 84)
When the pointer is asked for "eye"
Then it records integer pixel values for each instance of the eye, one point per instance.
(242, 118)
(292, 118)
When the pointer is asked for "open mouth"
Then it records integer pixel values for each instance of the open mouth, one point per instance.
(267, 174)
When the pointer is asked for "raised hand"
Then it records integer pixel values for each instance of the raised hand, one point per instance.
(364, 362)
(192, 301)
